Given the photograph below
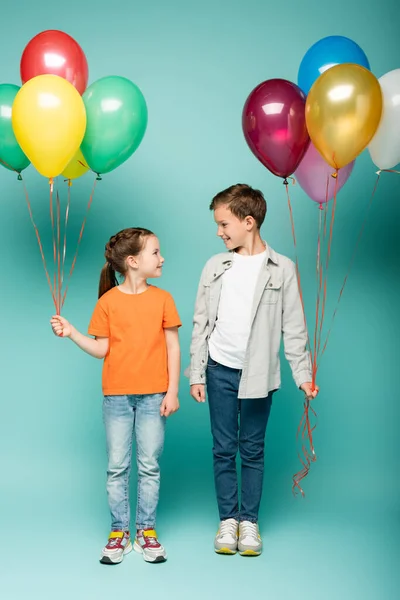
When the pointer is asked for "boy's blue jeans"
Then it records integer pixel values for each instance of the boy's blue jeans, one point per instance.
(124, 418)
(236, 425)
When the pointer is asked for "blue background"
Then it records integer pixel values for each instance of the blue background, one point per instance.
(196, 63)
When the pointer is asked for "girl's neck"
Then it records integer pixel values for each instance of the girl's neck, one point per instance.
(133, 285)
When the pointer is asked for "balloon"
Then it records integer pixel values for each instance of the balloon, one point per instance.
(343, 111)
(385, 145)
(77, 167)
(49, 122)
(274, 125)
(116, 122)
(11, 155)
(315, 175)
(328, 52)
(54, 52)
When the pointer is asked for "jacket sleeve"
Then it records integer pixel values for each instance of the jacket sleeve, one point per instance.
(199, 343)
(295, 337)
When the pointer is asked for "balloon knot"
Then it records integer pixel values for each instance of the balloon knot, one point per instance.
(98, 178)
(19, 177)
(285, 181)
(334, 175)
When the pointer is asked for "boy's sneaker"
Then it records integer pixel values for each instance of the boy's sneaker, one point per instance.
(119, 544)
(250, 543)
(226, 540)
(146, 543)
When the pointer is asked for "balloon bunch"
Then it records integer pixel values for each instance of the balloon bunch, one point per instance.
(315, 130)
(59, 125)
(321, 125)
(63, 127)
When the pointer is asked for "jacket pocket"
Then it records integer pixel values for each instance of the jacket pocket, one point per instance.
(271, 292)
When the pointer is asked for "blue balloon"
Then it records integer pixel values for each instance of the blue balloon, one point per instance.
(328, 52)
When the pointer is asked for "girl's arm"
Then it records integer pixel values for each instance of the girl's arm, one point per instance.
(97, 347)
(171, 402)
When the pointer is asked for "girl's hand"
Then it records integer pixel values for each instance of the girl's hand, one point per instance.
(60, 326)
(169, 405)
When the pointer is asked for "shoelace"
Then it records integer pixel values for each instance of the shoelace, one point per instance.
(248, 529)
(228, 527)
(114, 542)
(152, 541)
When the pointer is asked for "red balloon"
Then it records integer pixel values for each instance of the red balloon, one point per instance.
(274, 125)
(56, 53)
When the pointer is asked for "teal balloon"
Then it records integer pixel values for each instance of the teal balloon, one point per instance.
(116, 114)
(11, 155)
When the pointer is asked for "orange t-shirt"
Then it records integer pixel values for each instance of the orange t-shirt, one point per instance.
(136, 362)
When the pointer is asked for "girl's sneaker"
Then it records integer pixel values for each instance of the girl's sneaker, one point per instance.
(147, 544)
(226, 540)
(119, 543)
(250, 543)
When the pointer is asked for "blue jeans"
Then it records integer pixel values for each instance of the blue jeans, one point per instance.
(124, 418)
(236, 425)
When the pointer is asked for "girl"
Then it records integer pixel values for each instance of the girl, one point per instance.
(135, 329)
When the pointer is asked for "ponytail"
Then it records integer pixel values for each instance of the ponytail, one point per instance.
(108, 279)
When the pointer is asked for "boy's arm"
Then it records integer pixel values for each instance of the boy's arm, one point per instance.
(294, 330)
(198, 346)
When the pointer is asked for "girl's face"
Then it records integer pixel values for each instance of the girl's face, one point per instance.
(149, 262)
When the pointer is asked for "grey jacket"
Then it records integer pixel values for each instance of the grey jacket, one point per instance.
(277, 312)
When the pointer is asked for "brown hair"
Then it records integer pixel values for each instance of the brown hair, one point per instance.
(243, 201)
(127, 242)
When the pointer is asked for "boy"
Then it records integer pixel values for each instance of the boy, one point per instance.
(247, 298)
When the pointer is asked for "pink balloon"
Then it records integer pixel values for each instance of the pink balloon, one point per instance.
(314, 174)
(274, 125)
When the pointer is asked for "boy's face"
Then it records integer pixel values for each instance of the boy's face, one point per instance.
(231, 229)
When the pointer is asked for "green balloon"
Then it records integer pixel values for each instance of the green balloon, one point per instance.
(116, 114)
(11, 155)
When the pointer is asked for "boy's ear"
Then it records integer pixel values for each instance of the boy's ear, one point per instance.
(250, 222)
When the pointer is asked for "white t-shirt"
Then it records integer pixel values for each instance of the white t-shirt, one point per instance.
(228, 341)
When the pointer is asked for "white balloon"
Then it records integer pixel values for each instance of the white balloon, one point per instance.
(385, 145)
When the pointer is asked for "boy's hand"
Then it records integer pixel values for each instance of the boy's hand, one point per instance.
(198, 392)
(60, 326)
(308, 390)
(169, 405)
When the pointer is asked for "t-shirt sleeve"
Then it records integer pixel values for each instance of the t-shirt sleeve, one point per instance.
(99, 323)
(171, 317)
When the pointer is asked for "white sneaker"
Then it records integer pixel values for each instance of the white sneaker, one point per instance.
(226, 540)
(119, 544)
(146, 542)
(250, 543)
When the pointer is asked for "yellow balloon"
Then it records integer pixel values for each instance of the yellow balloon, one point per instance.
(343, 110)
(77, 167)
(49, 122)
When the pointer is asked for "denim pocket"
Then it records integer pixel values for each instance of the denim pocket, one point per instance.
(211, 363)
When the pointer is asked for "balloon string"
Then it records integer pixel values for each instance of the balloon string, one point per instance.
(79, 241)
(65, 231)
(52, 291)
(51, 184)
(325, 284)
(58, 252)
(306, 456)
(359, 237)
